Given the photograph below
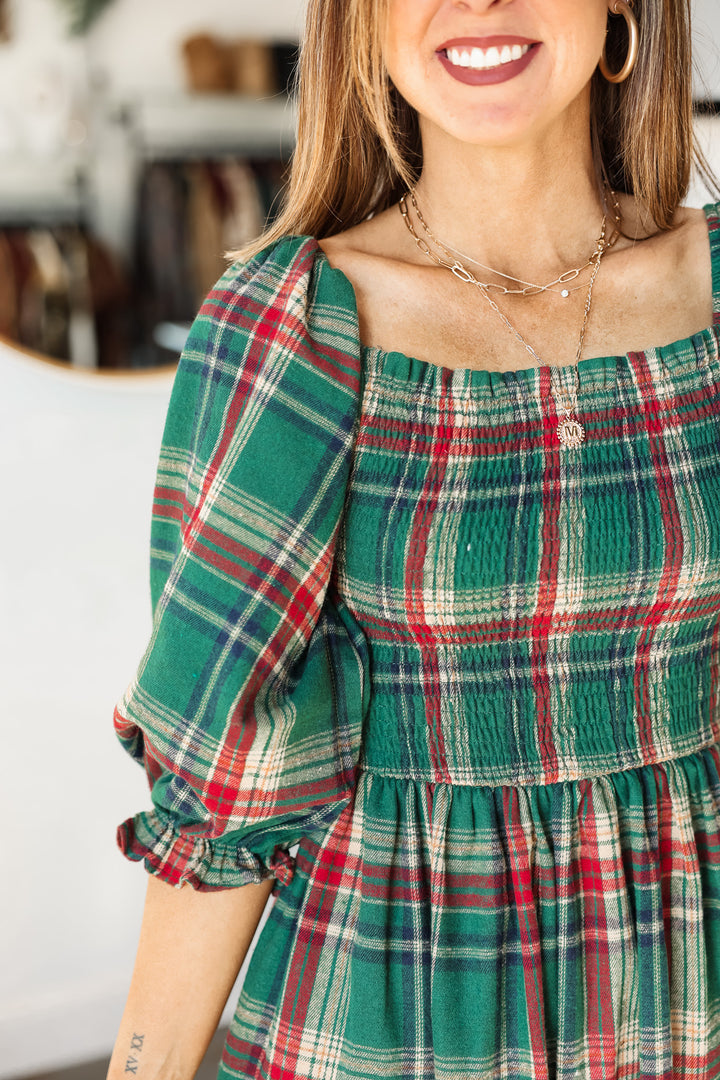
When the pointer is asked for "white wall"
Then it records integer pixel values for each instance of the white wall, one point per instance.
(78, 458)
(41, 73)
(706, 28)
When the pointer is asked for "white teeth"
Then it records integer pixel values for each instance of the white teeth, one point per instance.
(481, 59)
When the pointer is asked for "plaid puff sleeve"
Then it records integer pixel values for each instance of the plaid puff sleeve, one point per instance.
(247, 706)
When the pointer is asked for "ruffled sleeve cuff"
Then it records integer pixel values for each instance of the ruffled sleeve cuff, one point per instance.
(178, 857)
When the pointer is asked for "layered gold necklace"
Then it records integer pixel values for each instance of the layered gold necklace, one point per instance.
(570, 431)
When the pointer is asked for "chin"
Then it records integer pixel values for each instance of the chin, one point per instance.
(494, 126)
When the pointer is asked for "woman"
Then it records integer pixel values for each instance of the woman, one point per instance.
(436, 575)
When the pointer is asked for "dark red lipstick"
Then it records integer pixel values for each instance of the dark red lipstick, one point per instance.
(487, 76)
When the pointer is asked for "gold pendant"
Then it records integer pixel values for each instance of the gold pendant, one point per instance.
(570, 432)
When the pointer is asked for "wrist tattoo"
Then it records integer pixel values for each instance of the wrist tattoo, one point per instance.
(136, 1045)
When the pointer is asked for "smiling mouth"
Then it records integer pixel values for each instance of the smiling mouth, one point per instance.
(476, 59)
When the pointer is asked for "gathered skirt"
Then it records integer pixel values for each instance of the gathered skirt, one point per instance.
(544, 931)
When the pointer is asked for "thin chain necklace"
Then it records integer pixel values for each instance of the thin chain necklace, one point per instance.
(570, 431)
(558, 285)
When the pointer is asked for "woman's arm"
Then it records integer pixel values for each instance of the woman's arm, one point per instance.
(192, 945)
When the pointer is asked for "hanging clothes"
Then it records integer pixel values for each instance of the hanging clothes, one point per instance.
(8, 290)
(52, 283)
(205, 231)
(64, 295)
(247, 214)
(191, 213)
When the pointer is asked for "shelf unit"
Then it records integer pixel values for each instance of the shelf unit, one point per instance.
(202, 125)
(39, 190)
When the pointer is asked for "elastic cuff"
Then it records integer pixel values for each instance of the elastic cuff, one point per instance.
(179, 857)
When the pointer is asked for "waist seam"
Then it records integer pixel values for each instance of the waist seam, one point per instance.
(564, 774)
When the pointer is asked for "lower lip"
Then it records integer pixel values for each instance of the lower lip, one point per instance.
(489, 76)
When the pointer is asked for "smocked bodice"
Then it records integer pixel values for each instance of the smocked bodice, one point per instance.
(537, 613)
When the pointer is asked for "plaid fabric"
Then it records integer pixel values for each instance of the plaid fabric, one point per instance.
(247, 706)
(484, 698)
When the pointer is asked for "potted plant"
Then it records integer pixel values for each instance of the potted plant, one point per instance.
(83, 13)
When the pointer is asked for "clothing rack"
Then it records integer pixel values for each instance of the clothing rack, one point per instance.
(189, 213)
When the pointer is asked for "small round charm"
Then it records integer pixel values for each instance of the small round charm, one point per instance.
(565, 293)
(570, 432)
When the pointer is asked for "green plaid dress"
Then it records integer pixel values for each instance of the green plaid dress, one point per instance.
(456, 687)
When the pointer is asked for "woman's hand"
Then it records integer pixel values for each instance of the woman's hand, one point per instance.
(192, 945)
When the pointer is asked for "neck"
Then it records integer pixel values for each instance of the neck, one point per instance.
(523, 210)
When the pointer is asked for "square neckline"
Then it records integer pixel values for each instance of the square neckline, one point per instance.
(605, 367)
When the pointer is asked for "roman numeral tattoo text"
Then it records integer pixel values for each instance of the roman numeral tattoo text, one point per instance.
(131, 1065)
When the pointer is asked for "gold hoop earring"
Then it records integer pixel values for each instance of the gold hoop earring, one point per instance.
(621, 7)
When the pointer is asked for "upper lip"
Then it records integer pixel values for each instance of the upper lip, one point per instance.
(485, 42)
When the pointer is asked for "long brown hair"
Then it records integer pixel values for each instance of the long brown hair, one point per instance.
(358, 145)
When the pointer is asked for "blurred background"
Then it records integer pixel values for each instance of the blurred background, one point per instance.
(139, 139)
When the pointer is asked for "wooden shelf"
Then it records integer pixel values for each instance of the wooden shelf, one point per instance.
(203, 125)
(36, 190)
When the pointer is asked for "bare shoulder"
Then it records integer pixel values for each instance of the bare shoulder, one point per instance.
(379, 261)
(387, 277)
(686, 248)
(678, 254)
(657, 289)
(374, 244)
(691, 231)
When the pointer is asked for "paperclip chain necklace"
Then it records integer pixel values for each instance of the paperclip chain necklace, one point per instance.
(570, 431)
(558, 285)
